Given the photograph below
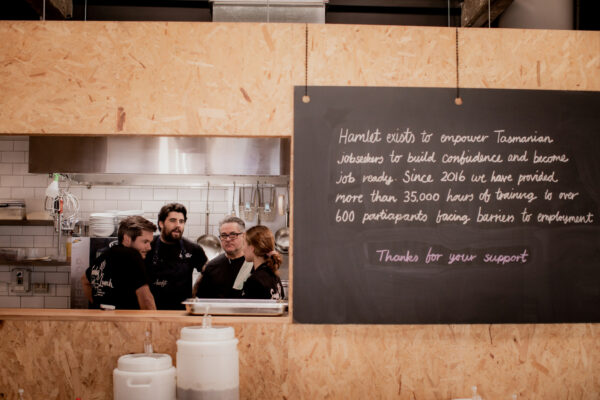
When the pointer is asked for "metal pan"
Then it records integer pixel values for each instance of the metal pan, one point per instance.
(235, 307)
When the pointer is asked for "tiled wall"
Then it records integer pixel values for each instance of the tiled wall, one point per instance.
(57, 294)
(17, 183)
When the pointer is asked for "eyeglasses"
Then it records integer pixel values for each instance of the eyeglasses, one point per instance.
(232, 235)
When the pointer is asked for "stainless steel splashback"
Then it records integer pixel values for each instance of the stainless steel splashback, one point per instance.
(160, 155)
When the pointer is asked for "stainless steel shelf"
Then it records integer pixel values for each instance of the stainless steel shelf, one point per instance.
(26, 222)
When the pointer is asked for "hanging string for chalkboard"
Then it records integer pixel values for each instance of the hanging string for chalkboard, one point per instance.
(44, 10)
(457, 100)
(448, 13)
(489, 14)
(306, 97)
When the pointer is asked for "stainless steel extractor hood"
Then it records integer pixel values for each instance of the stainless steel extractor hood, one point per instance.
(158, 160)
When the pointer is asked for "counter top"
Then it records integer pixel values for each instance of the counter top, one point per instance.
(128, 316)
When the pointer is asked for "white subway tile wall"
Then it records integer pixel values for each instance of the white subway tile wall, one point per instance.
(32, 302)
(57, 302)
(10, 301)
(17, 183)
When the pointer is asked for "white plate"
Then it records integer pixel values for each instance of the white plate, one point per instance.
(102, 215)
(101, 232)
(128, 213)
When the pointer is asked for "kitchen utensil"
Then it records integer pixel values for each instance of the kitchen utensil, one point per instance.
(247, 203)
(233, 201)
(209, 243)
(64, 207)
(282, 235)
(266, 206)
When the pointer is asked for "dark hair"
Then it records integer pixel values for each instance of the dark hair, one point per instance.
(232, 219)
(261, 238)
(171, 207)
(133, 227)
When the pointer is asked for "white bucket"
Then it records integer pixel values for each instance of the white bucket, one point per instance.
(207, 364)
(144, 376)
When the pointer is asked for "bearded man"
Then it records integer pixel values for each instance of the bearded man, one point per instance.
(171, 262)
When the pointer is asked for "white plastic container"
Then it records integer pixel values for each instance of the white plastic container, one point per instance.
(143, 377)
(207, 364)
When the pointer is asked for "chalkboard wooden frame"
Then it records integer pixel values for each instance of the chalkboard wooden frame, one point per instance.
(339, 276)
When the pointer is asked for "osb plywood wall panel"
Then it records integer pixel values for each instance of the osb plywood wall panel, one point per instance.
(237, 79)
(64, 360)
(156, 78)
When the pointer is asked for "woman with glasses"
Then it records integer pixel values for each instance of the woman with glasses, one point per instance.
(263, 282)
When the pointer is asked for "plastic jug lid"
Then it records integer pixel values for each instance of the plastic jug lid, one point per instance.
(212, 334)
(144, 362)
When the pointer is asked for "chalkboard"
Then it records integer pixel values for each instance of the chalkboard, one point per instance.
(409, 209)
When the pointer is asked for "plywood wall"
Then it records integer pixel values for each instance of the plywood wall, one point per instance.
(237, 79)
(65, 360)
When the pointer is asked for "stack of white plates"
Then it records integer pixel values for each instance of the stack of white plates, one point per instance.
(102, 224)
(121, 215)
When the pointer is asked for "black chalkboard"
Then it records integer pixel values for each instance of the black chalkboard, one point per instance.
(409, 209)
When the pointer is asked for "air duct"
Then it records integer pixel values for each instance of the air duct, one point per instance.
(302, 11)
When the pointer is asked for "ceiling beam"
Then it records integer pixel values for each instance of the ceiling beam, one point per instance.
(55, 9)
(475, 12)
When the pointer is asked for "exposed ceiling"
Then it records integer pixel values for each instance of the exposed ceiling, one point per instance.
(380, 12)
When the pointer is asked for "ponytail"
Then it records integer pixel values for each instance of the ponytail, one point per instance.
(273, 260)
(261, 238)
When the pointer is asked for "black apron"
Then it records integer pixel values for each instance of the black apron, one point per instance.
(170, 277)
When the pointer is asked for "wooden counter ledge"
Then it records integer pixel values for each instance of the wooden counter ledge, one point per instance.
(37, 314)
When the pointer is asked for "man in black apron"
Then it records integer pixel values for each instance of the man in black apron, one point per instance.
(224, 275)
(117, 278)
(172, 260)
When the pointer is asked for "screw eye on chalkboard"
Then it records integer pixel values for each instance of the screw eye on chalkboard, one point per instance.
(410, 210)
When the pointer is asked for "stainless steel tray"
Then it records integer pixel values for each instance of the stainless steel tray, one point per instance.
(235, 307)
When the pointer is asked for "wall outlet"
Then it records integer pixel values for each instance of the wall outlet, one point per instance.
(40, 287)
(20, 279)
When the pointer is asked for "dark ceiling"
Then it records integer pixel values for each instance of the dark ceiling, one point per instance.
(380, 12)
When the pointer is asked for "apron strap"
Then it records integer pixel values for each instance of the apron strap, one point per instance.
(157, 242)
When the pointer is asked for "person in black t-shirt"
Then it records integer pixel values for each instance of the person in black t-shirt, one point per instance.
(263, 282)
(171, 262)
(117, 277)
(222, 272)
